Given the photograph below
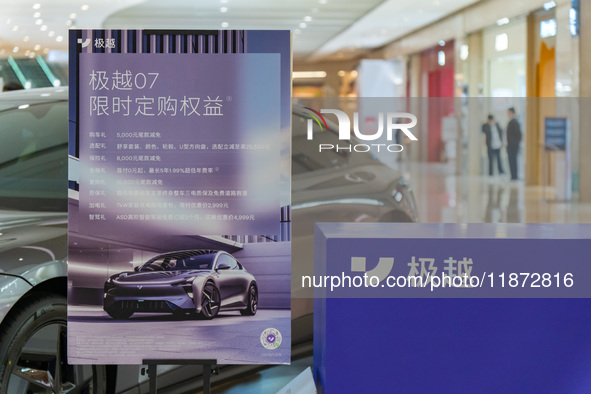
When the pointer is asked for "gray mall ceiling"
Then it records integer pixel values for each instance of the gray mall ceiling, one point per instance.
(322, 28)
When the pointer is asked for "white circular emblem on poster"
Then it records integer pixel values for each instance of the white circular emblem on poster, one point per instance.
(271, 338)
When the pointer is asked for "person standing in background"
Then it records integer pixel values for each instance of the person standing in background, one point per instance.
(513, 141)
(494, 143)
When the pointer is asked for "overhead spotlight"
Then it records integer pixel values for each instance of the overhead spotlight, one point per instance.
(341, 73)
(37, 47)
(303, 25)
(32, 55)
(15, 28)
(15, 49)
(59, 38)
(73, 15)
(39, 21)
(308, 18)
(84, 7)
(51, 33)
(323, 1)
(225, 24)
(36, 6)
(502, 21)
(441, 43)
(44, 27)
(36, 14)
(464, 52)
(224, 9)
(26, 38)
(69, 22)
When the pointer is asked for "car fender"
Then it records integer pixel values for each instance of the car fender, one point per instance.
(12, 288)
(38, 274)
(198, 285)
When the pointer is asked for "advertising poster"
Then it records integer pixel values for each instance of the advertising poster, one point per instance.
(179, 172)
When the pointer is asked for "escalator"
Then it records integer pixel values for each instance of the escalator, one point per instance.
(32, 72)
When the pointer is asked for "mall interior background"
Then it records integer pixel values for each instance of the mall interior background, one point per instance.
(455, 61)
(498, 49)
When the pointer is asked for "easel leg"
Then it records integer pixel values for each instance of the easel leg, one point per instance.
(153, 375)
(206, 379)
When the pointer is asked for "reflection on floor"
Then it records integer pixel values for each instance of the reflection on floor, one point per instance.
(444, 197)
(268, 380)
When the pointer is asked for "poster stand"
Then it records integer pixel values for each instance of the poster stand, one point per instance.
(208, 368)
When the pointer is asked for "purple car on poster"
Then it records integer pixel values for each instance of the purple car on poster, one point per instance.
(196, 282)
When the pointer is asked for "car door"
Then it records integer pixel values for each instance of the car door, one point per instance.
(232, 281)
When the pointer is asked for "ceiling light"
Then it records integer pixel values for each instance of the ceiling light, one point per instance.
(68, 22)
(224, 9)
(23, 106)
(57, 82)
(73, 15)
(502, 21)
(225, 24)
(223, 1)
(308, 18)
(39, 21)
(32, 55)
(51, 33)
(354, 73)
(44, 27)
(341, 73)
(84, 7)
(15, 28)
(36, 6)
(323, 1)
(59, 38)
(26, 38)
(501, 42)
(37, 47)
(464, 52)
(309, 74)
(27, 52)
(549, 5)
(441, 58)
(303, 25)
(46, 51)
(441, 43)
(28, 85)
(15, 49)
(8, 20)
(36, 14)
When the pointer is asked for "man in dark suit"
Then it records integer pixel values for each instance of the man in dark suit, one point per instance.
(494, 142)
(513, 141)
